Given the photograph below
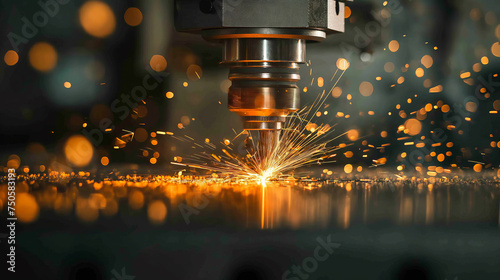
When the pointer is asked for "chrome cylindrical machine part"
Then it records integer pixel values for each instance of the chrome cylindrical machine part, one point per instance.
(264, 43)
(264, 73)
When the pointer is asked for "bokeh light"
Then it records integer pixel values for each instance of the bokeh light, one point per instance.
(133, 16)
(478, 167)
(496, 105)
(485, 60)
(43, 56)
(11, 58)
(353, 135)
(78, 150)
(348, 168)
(495, 49)
(394, 46)
(157, 212)
(343, 64)
(336, 92)
(158, 63)
(477, 67)
(104, 161)
(347, 12)
(136, 199)
(471, 107)
(427, 61)
(27, 208)
(321, 82)
(14, 161)
(413, 127)
(97, 19)
(419, 72)
(389, 67)
(366, 88)
(140, 135)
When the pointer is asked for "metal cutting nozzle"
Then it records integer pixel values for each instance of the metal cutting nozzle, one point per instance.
(264, 43)
(264, 73)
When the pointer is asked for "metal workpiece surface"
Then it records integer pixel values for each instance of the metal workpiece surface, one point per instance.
(211, 229)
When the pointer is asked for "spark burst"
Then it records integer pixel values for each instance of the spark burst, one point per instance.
(300, 143)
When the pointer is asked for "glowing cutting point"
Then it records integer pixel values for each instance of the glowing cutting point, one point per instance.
(265, 176)
(263, 181)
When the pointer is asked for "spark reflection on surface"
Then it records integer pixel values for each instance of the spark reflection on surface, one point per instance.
(292, 203)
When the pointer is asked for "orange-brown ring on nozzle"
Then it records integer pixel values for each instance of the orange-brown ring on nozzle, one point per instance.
(264, 123)
(310, 34)
(264, 75)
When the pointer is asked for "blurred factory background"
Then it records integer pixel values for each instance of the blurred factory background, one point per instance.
(110, 69)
